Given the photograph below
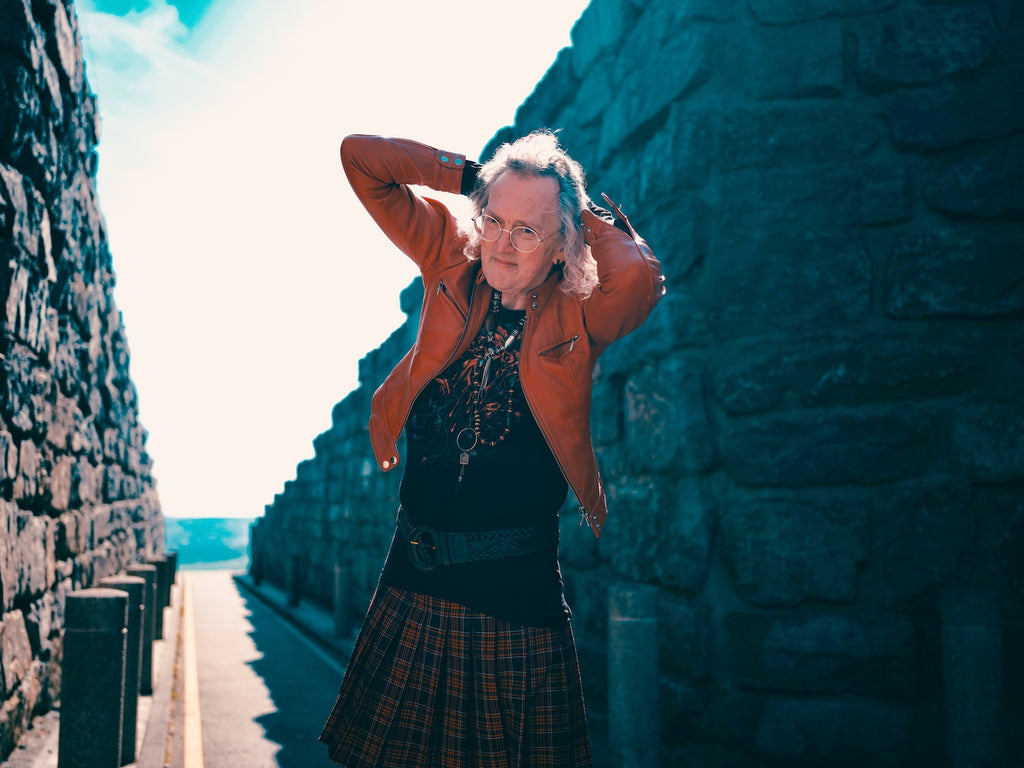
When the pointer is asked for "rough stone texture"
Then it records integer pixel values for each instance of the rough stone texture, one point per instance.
(820, 431)
(77, 496)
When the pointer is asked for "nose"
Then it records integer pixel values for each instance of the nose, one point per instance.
(504, 241)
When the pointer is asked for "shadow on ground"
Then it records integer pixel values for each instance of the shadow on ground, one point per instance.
(302, 685)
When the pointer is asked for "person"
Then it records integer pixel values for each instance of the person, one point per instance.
(466, 656)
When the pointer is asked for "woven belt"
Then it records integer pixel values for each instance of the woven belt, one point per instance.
(429, 548)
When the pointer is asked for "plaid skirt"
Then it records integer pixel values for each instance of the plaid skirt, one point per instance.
(432, 684)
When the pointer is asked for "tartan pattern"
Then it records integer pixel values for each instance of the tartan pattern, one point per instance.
(432, 684)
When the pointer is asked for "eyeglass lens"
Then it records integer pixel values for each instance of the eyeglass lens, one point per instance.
(523, 239)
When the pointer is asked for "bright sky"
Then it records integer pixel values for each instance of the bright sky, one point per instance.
(250, 279)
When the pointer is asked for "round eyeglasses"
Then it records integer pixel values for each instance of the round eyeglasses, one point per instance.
(523, 239)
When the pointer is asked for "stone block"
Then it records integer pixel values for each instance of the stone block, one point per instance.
(955, 272)
(28, 316)
(781, 281)
(757, 377)
(791, 62)
(606, 419)
(684, 637)
(9, 452)
(872, 655)
(21, 211)
(926, 527)
(677, 164)
(44, 622)
(638, 508)
(981, 182)
(680, 67)
(677, 322)
(64, 47)
(15, 652)
(923, 46)
(839, 732)
(806, 202)
(666, 420)
(986, 106)
(787, 550)
(795, 11)
(27, 406)
(685, 720)
(989, 439)
(595, 92)
(796, 133)
(88, 481)
(829, 447)
(599, 29)
(28, 567)
(57, 484)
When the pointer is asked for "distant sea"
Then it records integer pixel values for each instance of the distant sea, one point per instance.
(209, 543)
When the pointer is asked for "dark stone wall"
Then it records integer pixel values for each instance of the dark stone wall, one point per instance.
(77, 496)
(815, 446)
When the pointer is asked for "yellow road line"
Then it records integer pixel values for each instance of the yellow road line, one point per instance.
(193, 757)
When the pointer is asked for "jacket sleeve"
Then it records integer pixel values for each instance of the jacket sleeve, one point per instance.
(630, 282)
(381, 170)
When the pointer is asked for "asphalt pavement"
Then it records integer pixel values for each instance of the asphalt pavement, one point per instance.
(265, 688)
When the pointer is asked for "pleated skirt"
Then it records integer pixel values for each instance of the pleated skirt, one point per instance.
(432, 684)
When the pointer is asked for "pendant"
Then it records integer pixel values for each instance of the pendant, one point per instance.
(485, 379)
(465, 441)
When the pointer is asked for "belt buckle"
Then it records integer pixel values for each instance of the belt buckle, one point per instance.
(422, 546)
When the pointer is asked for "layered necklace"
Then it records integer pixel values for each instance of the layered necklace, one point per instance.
(470, 438)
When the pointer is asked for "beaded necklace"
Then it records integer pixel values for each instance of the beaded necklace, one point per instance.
(469, 438)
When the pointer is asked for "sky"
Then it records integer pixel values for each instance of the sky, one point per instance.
(250, 279)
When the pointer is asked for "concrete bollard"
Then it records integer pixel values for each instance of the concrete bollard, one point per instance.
(972, 671)
(162, 589)
(634, 709)
(92, 689)
(135, 588)
(148, 574)
(342, 597)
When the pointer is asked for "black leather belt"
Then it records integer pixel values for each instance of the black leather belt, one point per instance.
(429, 548)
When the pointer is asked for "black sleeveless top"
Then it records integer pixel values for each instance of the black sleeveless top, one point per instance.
(511, 480)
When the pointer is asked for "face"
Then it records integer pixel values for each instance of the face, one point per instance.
(519, 200)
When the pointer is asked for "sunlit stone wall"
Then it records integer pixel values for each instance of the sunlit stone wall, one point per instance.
(77, 497)
(815, 446)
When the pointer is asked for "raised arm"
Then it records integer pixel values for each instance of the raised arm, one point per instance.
(630, 282)
(381, 171)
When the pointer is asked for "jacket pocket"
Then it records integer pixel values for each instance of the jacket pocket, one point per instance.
(561, 349)
(445, 295)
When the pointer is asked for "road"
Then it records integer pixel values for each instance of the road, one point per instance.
(264, 689)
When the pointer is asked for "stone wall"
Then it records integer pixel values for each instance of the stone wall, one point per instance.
(78, 497)
(815, 446)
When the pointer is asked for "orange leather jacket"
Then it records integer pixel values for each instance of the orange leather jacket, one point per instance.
(563, 336)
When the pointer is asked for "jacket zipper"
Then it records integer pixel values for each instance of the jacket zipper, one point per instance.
(465, 329)
(544, 431)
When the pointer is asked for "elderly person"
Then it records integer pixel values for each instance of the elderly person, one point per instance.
(466, 657)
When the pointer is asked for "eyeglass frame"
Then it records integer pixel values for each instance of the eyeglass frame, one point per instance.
(485, 215)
